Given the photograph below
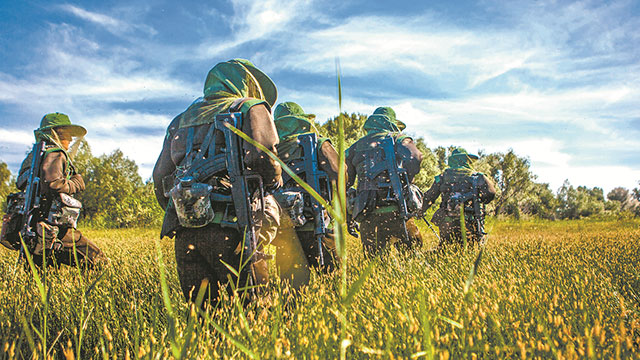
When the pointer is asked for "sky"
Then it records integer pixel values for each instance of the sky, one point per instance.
(556, 81)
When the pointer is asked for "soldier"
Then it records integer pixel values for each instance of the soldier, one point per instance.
(377, 207)
(461, 188)
(203, 249)
(56, 221)
(295, 127)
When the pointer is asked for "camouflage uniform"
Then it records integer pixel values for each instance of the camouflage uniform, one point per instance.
(380, 220)
(232, 86)
(291, 121)
(58, 176)
(455, 185)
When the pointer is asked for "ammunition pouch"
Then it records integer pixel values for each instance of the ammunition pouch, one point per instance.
(64, 211)
(12, 221)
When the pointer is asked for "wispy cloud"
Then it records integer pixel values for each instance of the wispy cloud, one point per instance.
(111, 24)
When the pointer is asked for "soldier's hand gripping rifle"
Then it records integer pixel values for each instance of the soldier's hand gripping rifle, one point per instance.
(31, 212)
(398, 179)
(319, 181)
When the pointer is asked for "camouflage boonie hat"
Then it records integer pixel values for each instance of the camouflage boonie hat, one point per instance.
(384, 118)
(459, 158)
(290, 119)
(58, 121)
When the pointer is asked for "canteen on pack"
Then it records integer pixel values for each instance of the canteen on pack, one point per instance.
(192, 203)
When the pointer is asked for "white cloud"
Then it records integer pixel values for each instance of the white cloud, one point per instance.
(111, 24)
(16, 137)
(254, 20)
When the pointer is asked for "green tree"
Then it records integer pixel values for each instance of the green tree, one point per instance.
(513, 178)
(115, 195)
(539, 201)
(352, 128)
(7, 185)
(623, 199)
(81, 156)
(574, 203)
(428, 168)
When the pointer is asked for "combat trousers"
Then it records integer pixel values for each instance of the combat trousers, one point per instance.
(451, 233)
(87, 253)
(200, 253)
(377, 231)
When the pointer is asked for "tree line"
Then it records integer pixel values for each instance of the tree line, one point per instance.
(116, 195)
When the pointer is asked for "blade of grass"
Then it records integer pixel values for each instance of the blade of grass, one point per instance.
(452, 322)
(473, 271)
(355, 287)
(463, 227)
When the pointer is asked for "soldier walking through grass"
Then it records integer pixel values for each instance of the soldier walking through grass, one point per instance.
(295, 128)
(383, 210)
(210, 239)
(55, 218)
(463, 191)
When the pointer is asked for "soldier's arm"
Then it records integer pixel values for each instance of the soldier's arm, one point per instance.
(351, 169)
(164, 166)
(486, 189)
(54, 179)
(431, 195)
(411, 157)
(260, 127)
(329, 161)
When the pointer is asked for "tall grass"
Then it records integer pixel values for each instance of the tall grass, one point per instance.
(545, 289)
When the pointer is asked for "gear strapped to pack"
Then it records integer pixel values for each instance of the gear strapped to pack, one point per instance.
(307, 168)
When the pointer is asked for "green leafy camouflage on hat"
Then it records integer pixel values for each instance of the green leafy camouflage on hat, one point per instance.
(239, 78)
(226, 82)
(383, 119)
(378, 125)
(57, 121)
(291, 120)
(460, 159)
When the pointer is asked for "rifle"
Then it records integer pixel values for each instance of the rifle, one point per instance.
(319, 181)
(32, 199)
(398, 179)
(242, 182)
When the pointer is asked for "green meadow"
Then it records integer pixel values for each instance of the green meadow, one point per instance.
(564, 290)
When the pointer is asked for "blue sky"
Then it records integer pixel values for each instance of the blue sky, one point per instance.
(558, 82)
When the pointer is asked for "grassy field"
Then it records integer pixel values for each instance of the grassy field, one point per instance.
(542, 290)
